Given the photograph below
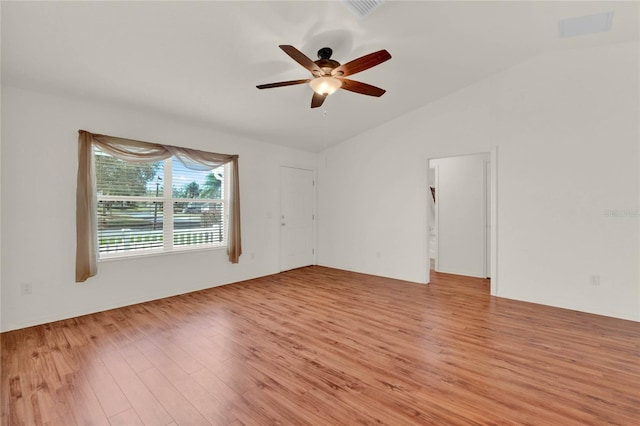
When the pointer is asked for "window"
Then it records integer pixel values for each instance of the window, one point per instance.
(127, 184)
(157, 207)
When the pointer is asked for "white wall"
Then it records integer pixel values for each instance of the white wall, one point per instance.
(461, 214)
(565, 125)
(0, 220)
(39, 165)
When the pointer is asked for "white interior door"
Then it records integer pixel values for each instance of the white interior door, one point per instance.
(296, 218)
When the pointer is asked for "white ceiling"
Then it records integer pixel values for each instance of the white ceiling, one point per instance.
(202, 60)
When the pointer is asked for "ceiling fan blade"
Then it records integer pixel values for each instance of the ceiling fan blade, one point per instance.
(363, 63)
(302, 59)
(281, 84)
(362, 88)
(317, 100)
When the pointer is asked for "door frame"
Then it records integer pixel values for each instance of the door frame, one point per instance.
(493, 160)
(486, 187)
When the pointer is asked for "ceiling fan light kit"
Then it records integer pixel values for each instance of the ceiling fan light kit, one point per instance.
(325, 85)
(328, 75)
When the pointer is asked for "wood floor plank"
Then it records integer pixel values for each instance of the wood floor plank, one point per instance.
(84, 404)
(178, 407)
(109, 394)
(320, 346)
(146, 405)
(207, 404)
(126, 418)
(182, 358)
(221, 393)
(136, 359)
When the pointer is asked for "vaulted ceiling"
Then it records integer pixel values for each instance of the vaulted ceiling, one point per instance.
(202, 60)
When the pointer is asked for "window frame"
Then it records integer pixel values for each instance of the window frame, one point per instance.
(168, 201)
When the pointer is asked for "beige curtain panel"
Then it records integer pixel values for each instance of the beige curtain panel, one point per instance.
(140, 152)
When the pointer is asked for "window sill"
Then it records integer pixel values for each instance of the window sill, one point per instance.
(159, 252)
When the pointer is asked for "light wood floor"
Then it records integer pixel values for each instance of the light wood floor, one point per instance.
(318, 346)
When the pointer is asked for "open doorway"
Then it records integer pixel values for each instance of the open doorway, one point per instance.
(460, 215)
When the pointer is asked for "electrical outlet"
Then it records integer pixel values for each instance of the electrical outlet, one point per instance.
(26, 288)
(595, 280)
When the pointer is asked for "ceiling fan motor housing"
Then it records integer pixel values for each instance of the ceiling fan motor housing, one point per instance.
(324, 62)
(325, 53)
(327, 65)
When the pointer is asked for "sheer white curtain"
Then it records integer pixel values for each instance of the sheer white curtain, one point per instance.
(139, 152)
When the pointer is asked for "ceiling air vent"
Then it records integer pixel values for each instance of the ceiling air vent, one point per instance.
(362, 8)
(584, 25)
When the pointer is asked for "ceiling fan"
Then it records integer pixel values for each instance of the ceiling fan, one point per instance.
(329, 75)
